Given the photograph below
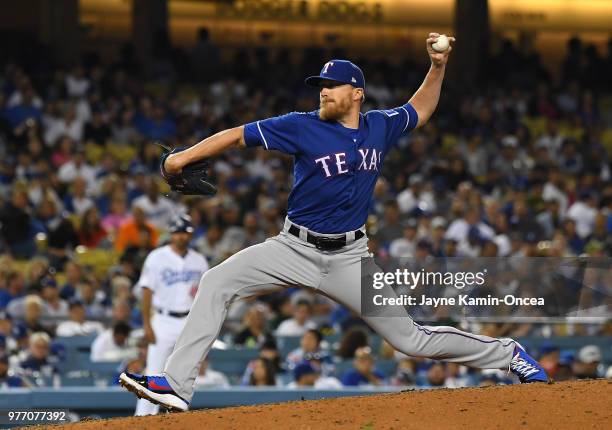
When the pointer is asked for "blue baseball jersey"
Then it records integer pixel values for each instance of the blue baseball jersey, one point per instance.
(335, 167)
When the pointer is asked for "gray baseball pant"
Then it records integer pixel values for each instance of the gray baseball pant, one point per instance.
(285, 261)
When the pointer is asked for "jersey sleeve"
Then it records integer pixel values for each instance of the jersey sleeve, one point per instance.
(147, 277)
(280, 133)
(400, 121)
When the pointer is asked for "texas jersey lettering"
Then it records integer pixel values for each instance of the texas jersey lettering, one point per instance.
(335, 167)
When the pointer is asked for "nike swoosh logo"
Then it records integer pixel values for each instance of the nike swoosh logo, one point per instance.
(153, 385)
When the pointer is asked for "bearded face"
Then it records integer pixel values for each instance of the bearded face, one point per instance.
(334, 109)
(335, 101)
(181, 240)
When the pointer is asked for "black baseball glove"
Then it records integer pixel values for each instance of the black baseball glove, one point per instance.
(193, 179)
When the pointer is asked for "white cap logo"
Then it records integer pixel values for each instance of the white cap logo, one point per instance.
(327, 66)
(353, 80)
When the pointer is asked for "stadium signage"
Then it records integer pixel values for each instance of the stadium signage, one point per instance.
(324, 10)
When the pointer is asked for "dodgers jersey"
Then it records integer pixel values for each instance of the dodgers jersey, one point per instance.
(173, 279)
(335, 167)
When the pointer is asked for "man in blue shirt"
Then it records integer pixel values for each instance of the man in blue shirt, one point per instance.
(338, 153)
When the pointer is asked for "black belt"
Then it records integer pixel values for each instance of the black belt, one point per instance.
(173, 314)
(325, 243)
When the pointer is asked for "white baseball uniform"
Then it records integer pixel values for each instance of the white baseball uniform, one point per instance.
(174, 280)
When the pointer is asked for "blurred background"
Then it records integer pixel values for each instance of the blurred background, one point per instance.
(514, 163)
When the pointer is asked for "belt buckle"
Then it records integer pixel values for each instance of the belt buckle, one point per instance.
(329, 243)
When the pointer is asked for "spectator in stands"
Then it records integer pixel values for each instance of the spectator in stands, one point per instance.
(77, 200)
(549, 358)
(61, 241)
(97, 130)
(324, 367)
(121, 288)
(263, 373)
(117, 215)
(91, 233)
(12, 289)
(137, 232)
(19, 333)
(269, 351)
(310, 343)
(587, 364)
(301, 321)
(208, 377)
(38, 269)
(255, 332)
(457, 376)
(6, 326)
(77, 325)
(352, 340)
(29, 309)
(574, 241)
(7, 378)
(74, 276)
(416, 197)
(363, 372)
(390, 227)
(564, 370)
(210, 244)
(405, 372)
(489, 379)
(92, 299)
(54, 305)
(158, 210)
(78, 167)
(405, 246)
(16, 225)
(304, 375)
(124, 132)
(436, 375)
(39, 357)
(584, 212)
(63, 151)
(112, 344)
(122, 311)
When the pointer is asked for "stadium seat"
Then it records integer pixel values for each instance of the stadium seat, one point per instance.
(100, 260)
(232, 361)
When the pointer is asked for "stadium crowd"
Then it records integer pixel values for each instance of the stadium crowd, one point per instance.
(520, 167)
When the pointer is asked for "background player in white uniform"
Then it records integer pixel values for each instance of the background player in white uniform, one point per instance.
(167, 284)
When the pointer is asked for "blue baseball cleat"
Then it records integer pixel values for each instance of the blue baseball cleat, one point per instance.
(154, 388)
(526, 367)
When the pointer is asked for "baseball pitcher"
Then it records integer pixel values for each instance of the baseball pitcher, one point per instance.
(338, 153)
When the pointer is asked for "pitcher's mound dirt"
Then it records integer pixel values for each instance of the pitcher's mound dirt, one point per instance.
(562, 405)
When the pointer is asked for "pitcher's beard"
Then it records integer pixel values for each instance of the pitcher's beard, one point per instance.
(333, 111)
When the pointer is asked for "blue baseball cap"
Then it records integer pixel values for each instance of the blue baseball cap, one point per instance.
(342, 71)
(181, 224)
(303, 368)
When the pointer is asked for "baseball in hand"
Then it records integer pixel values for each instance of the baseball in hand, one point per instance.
(441, 44)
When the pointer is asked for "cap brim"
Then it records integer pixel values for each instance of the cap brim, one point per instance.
(315, 81)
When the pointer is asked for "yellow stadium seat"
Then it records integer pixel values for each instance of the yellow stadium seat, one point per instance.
(123, 153)
(449, 141)
(536, 126)
(100, 260)
(93, 152)
(21, 266)
(606, 140)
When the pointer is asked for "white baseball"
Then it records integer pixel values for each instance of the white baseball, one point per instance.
(441, 44)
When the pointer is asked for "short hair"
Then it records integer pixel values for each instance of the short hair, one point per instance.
(38, 336)
(316, 333)
(33, 299)
(121, 327)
